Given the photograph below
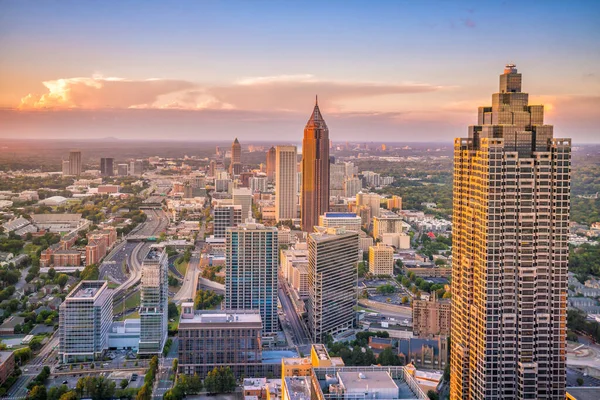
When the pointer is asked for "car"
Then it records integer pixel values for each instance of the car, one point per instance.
(65, 382)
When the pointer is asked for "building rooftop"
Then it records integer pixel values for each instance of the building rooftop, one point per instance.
(298, 387)
(4, 355)
(362, 381)
(220, 317)
(322, 234)
(87, 289)
(340, 215)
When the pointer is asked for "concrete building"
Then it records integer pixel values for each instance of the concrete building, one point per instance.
(424, 353)
(107, 166)
(122, 169)
(85, 318)
(370, 384)
(371, 200)
(394, 203)
(66, 168)
(286, 196)
(154, 295)
(315, 170)
(400, 241)
(271, 160)
(381, 260)
(75, 166)
(243, 197)
(332, 280)
(510, 252)
(258, 184)
(226, 216)
(349, 221)
(209, 339)
(352, 186)
(136, 167)
(431, 317)
(251, 260)
(125, 335)
(387, 222)
(7, 365)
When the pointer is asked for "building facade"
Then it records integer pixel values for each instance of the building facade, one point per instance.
(243, 197)
(209, 339)
(510, 252)
(235, 168)
(154, 295)
(107, 166)
(381, 260)
(286, 195)
(251, 260)
(75, 166)
(226, 216)
(315, 170)
(349, 221)
(431, 317)
(85, 318)
(271, 160)
(332, 280)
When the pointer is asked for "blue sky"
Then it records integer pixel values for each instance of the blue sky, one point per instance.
(456, 49)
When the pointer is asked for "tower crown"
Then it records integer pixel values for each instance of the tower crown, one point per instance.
(316, 119)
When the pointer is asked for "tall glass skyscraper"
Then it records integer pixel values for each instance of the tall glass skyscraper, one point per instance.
(154, 297)
(251, 260)
(315, 170)
(510, 252)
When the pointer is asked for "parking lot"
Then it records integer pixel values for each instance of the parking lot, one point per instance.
(391, 298)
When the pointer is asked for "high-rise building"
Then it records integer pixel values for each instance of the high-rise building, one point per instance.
(122, 169)
(372, 200)
(381, 260)
(236, 158)
(136, 167)
(85, 318)
(315, 170)
(431, 317)
(66, 168)
(271, 160)
(75, 166)
(332, 280)
(510, 252)
(286, 196)
(251, 260)
(337, 178)
(346, 220)
(226, 216)
(154, 295)
(243, 197)
(387, 222)
(106, 166)
(352, 186)
(394, 202)
(258, 184)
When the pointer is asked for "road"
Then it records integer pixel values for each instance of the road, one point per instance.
(299, 331)
(187, 292)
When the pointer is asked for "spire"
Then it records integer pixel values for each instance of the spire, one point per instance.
(316, 99)
(236, 141)
(316, 119)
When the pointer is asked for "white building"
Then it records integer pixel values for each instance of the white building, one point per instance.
(286, 195)
(349, 221)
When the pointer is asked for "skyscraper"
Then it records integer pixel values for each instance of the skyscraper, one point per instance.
(154, 295)
(286, 197)
(251, 260)
(510, 252)
(315, 170)
(271, 159)
(106, 166)
(75, 162)
(236, 158)
(243, 197)
(332, 280)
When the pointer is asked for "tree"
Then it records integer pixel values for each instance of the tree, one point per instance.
(124, 383)
(51, 273)
(38, 392)
(173, 311)
(580, 381)
(388, 357)
(404, 299)
(56, 392)
(71, 395)
(220, 380)
(175, 364)
(433, 395)
(145, 393)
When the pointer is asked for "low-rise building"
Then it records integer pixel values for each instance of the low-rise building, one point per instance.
(7, 365)
(381, 260)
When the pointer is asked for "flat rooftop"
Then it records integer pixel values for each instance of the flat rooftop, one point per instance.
(362, 381)
(87, 289)
(340, 215)
(298, 387)
(221, 318)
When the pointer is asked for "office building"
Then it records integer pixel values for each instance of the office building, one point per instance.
(226, 216)
(136, 167)
(66, 168)
(371, 200)
(85, 318)
(243, 197)
(209, 339)
(510, 252)
(251, 260)
(75, 166)
(387, 222)
(337, 177)
(235, 168)
(271, 160)
(332, 280)
(154, 295)
(349, 221)
(258, 184)
(315, 170)
(122, 169)
(106, 166)
(381, 260)
(352, 186)
(286, 196)
(431, 317)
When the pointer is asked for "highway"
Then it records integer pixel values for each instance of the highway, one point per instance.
(187, 292)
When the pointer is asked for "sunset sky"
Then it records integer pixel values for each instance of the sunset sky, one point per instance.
(202, 70)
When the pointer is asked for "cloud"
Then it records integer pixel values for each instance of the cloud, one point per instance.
(287, 93)
(101, 92)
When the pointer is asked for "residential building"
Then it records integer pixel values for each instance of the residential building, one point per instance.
(352, 186)
(510, 252)
(371, 200)
(106, 166)
(85, 318)
(381, 260)
(75, 166)
(66, 258)
(286, 196)
(349, 221)
(394, 203)
(243, 197)
(7, 365)
(226, 216)
(209, 339)
(315, 170)
(258, 184)
(332, 280)
(271, 160)
(400, 241)
(431, 317)
(387, 222)
(251, 260)
(154, 295)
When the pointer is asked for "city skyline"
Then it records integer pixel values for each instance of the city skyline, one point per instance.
(409, 70)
